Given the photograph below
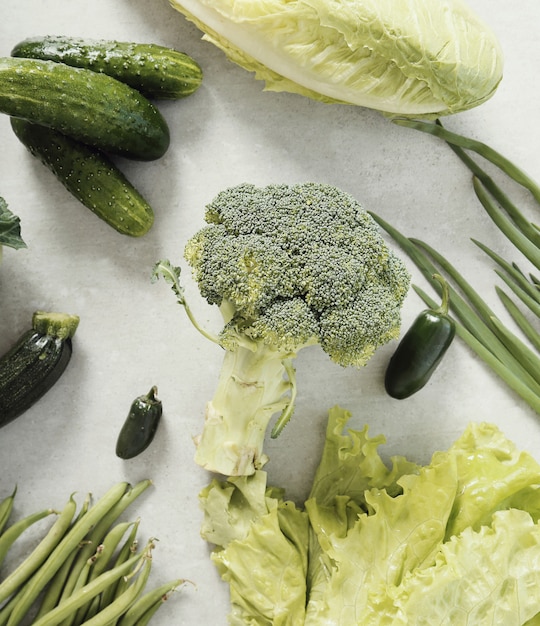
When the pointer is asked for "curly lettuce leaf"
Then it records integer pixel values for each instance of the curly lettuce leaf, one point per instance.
(484, 577)
(10, 228)
(455, 542)
(245, 520)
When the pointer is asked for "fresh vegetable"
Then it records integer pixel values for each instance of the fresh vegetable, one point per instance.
(10, 229)
(6, 508)
(156, 71)
(88, 106)
(140, 426)
(456, 541)
(289, 266)
(35, 362)
(87, 568)
(418, 58)
(421, 349)
(90, 176)
(511, 353)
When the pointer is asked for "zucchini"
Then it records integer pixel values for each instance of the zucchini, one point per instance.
(36, 361)
(141, 424)
(90, 176)
(156, 71)
(93, 108)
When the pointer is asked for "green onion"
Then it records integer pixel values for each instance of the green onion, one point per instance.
(480, 148)
(512, 358)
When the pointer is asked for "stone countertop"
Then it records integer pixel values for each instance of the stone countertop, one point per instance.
(133, 335)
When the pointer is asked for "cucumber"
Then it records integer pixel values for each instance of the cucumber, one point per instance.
(36, 361)
(90, 176)
(156, 71)
(93, 108)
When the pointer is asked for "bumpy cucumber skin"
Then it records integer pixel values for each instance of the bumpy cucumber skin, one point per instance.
(91, 107)
(156, 71)
(32, 366)
(90, 176)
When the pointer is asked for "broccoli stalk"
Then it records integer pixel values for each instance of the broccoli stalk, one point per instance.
(254, 382)
(289, 267)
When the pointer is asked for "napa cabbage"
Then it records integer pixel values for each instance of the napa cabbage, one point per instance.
(455, 542)
(410, 58)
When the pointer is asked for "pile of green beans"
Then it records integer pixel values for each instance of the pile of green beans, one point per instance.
(513, 356)
(86, 569)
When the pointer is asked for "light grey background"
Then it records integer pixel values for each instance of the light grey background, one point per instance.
(132, 333)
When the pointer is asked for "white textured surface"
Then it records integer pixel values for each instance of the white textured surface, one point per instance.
(133, 335)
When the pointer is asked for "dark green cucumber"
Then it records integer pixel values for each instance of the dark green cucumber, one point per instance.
(93, 108)
(156, 71)
(34, 364)
(90, 176)
(140, 426)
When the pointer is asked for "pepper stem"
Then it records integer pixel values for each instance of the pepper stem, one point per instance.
(445, 302)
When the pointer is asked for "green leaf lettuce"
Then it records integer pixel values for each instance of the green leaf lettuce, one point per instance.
(455, 542)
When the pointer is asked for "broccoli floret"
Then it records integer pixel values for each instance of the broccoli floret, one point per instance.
(289, 266)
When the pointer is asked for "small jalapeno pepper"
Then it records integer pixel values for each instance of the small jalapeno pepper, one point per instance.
(140, 426)
(421, 349)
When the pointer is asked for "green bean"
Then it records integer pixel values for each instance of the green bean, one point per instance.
(99, 531)
(120, 605)
(53, 563)
(53, 592)
(521, 320)
(40, 554)
(100, 561)
(97, 535)
(93, 608)
(149, 603)
(6, 610)
(483, 150)
(8, 538)
(82, 580)
(514, 235)
(6, 506)
(129, 548)
(69, 606)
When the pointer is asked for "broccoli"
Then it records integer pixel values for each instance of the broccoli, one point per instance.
(289, 266)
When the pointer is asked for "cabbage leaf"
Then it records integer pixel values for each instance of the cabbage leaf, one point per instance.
(455, 542)
(422, 58)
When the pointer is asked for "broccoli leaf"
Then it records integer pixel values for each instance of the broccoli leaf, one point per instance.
(10, 228)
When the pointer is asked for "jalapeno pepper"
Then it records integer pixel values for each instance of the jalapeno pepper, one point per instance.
(421, 349)
(140, 426)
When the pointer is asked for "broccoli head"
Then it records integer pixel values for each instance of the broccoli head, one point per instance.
(289, 266)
